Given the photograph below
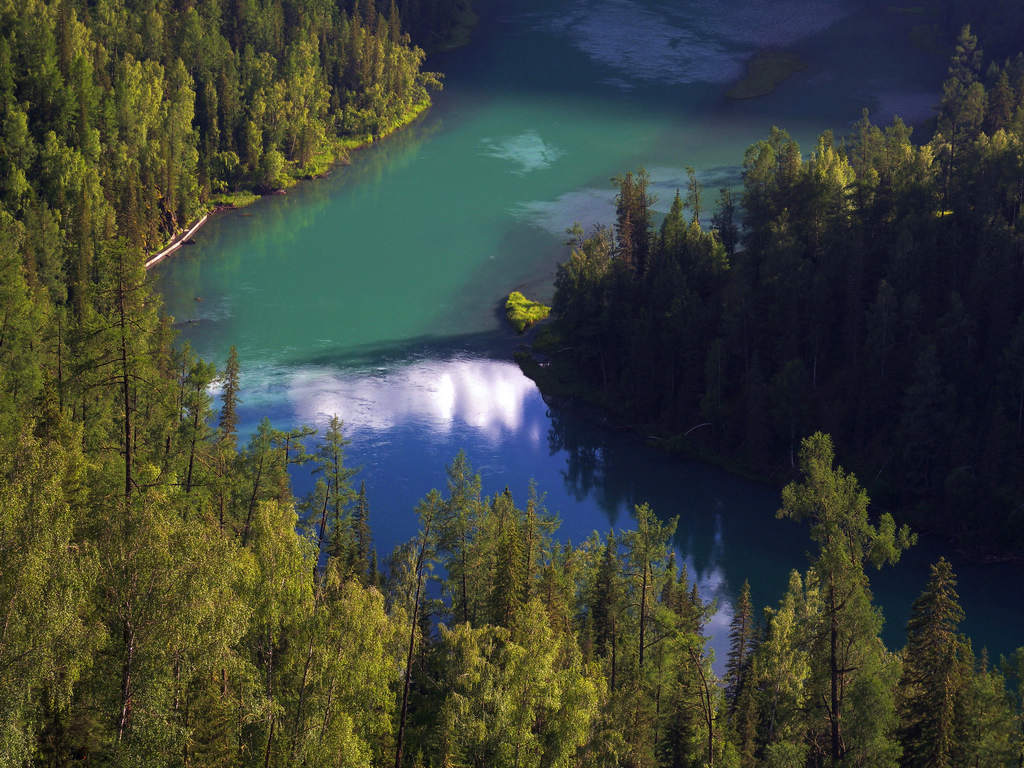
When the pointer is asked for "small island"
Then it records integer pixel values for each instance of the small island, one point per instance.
(523, 313)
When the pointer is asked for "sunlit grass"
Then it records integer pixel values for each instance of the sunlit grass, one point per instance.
(239, 199)
(522, 312)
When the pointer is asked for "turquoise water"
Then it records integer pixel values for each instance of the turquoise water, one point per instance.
(375, 293)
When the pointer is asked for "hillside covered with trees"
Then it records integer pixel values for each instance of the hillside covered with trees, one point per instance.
(122, 119)
(873, 288)
(165, 600)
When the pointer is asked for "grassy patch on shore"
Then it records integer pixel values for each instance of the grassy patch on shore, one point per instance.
(239, 199)
(522, 312)
(766, 72)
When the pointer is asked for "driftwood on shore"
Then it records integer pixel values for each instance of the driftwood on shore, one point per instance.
(176, 243)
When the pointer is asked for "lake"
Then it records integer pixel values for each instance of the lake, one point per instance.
(375, 293)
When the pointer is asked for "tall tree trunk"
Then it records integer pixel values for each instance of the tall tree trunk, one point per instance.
(192, 452)
(252, 503)
(643, 614)
(837, 744)
(126, 681)
(399, 742)
(125, 394)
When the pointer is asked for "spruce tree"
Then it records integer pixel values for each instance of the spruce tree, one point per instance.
(228, 421)
(648, 548)
(673, 229)
(741, 646)
(604, 604)
(459, 525)
(847, 661)
(361, 531)
(507, 584)
(931, 687)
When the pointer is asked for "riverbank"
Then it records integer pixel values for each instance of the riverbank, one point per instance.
(541, 360)
(341, 155)
(177, 241)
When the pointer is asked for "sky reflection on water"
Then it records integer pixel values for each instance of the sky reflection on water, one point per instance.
(408, 419)
(366, 294)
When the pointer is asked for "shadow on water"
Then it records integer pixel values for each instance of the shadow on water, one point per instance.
(498, 344)
(592, 475)
(726, 523)
(728, 531)
(690, 54)
(411, 403)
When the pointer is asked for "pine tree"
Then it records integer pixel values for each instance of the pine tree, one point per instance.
(459, 524)
(741, 647)
(507, 583)
(429, 513)
(724, 222)
(648, 548)
(847, 660)
(336, 524)
(604, 604)
(931, 688)
(228, 421)
(693, 194)
(673, 230)
(361, 529)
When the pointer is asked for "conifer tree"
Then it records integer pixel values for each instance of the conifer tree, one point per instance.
(507, 584)
(228, 421)
(673, 229)
(361, 527)
(460, 521)
(336, 524)
(429, 513)
(847, 662)
(741, 646)
(604, 605)
(648, 548)
(693, 194)
(931, 686)
(724, 221)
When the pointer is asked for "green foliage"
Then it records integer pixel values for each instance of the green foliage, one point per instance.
(522, 312)
(145, 118)
(850, 672)
(870, 280)
(932, 688)
(162, 603)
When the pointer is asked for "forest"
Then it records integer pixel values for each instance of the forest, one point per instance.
(127, 120)
(166, 600)
(871, 289)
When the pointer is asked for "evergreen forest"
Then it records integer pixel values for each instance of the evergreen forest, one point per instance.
(167, 600)
(873, 288)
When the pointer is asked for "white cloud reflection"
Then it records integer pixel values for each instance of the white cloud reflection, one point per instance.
(440, 395)
(527, 150)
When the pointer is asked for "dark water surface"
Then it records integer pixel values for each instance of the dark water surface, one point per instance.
(373, 293)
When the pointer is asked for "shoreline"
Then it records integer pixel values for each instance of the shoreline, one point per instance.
(556, 384)
(175, 243)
